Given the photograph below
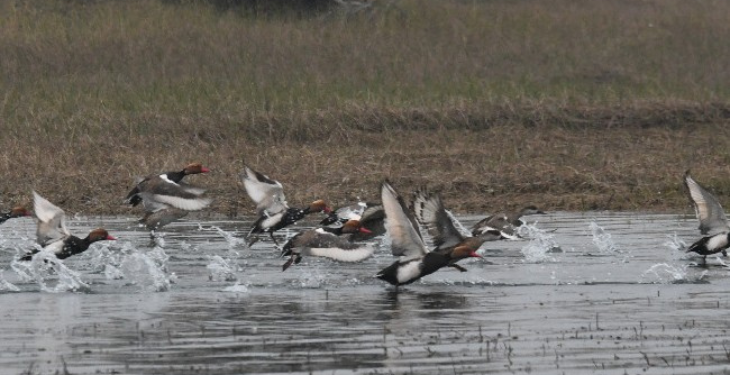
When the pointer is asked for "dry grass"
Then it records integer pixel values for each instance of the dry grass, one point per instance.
(565, 104)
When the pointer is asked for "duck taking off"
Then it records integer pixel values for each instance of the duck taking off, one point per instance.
(166, 198)
(333, 243)
(713, 222)
(407, 243)
(271, 207)
(370, 215)
(503, 225)
(52, 234)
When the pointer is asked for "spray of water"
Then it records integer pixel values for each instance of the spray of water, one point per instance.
(542, 244)
(147, 270)
(603, 240)
(225, 268)
(673, 270)
(49, 273)
(6, 286)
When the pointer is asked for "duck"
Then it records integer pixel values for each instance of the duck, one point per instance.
(334, 243)
(166, 198)
(503, 225)
(15, 212)
(416, 261)
(713, 222)
(271, 207)
(53, 235)
(370, 215)
(133, 198)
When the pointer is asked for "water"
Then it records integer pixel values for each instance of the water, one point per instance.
(607, 293)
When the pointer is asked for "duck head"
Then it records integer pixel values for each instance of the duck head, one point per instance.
(464, 251)
(319, 206)
(99, 234)
(354, 226)
(195, 168)
(19, 211)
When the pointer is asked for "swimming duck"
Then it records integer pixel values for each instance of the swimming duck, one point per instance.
(503, 225)
(333, 243)
(271, 207)
(166, 198)
(52, 234)
(406, 241)
(370, 215)
(16, 212)
(712, 219)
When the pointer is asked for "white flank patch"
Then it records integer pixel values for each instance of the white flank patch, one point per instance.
(272, 220)
(55, 247)
(182, 203)
(717, 242)
(408, 272)
(342, 255)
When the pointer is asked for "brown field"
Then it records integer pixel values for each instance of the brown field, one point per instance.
(568, 105)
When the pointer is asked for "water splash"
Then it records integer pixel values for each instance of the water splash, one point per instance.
(541, 244)
(236, 288)
(603, 240)
(6, 286)
(225, 268)
(673, 270)
(148, 271)
(221, 269)
(49, 273)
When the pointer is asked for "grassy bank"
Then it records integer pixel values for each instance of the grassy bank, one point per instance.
(565, 104)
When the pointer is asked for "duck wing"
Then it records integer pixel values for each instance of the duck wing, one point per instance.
(268, 194)
(50, 220)
(406, 240)
(430, 212)
(707, 207)
(158, 193)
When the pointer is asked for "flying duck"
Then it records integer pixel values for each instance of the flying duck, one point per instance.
(503, 225)
(711, 216)
(52, 234)
(406, 242)
(370, 215)
(271, 207)
(333, 243)
(166, 198)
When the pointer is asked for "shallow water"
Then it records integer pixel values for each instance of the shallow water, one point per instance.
(601, 293)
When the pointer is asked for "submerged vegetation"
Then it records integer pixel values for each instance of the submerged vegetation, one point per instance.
(563, 104)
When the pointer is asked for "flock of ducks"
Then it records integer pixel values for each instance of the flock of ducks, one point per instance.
(343, 235)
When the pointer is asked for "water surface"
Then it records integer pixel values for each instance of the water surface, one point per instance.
(604, 293)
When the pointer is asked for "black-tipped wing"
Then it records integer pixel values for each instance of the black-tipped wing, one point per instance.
(707, 208)
(406, 240)
(430, 212)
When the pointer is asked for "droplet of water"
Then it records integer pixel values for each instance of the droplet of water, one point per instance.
(541, 244)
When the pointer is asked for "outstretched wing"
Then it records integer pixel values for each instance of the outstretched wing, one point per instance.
(50, 220)
(707, 207)
(268, 194)
(401, 225)
(158, 193)
(430, 212)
